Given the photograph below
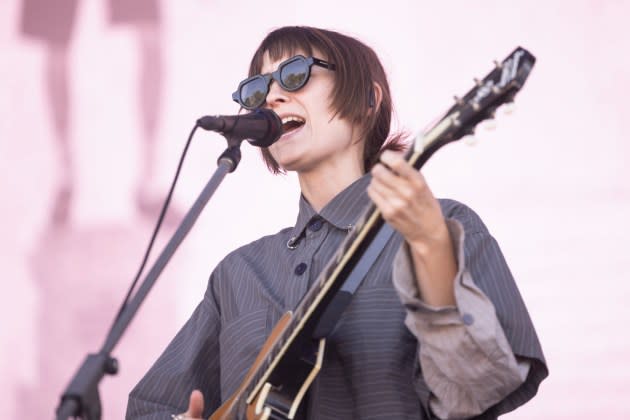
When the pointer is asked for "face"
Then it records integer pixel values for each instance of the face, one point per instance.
(314, 139)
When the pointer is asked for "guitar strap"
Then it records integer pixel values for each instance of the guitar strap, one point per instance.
(343, 297)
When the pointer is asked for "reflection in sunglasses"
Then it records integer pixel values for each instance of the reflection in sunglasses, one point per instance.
(255, 98)
(291, 75)
(294, 80)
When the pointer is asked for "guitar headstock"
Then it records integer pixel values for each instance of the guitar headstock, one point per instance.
(499, 87)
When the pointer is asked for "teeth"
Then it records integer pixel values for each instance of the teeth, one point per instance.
(292, 118)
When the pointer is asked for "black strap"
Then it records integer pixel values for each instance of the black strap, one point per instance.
(343, 297)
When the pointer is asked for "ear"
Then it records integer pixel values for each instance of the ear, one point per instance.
(375, 96)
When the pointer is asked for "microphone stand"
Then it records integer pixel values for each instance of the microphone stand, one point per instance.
(81, 398)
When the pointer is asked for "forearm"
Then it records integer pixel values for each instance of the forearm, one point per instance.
(435, 268)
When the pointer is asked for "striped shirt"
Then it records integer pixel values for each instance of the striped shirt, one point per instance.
(390, 356)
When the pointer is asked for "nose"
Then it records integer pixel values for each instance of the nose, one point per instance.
(276, 95)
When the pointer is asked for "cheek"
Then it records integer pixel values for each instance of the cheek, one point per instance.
(273, 151)
(323, 119)
(338, 129)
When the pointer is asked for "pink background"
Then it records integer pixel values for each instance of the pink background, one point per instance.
(551, 181)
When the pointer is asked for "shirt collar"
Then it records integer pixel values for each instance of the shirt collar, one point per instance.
(342, 211)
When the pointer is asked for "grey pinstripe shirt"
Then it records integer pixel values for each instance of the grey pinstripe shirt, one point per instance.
(390, 356)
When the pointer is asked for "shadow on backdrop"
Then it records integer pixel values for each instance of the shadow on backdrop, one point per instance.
(83, 273)
(52, 24)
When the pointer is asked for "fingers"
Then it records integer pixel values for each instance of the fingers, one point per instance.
(399, 166)
(393, 196)
(386, 197)
(403, 197)
(195, 406)
(395, 179)
(396, 174)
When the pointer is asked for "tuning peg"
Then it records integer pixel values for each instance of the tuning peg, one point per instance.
(477, 82)
(470, 139)
(497, 64)
(489, 125)
(459, 101)
(508, 108)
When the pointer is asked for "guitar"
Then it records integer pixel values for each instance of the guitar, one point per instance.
(291, 358)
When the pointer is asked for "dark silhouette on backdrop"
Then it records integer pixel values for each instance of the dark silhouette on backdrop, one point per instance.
(82, 273)
(52, 23)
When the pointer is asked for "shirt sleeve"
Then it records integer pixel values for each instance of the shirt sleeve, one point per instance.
(191, 361)
(465, 357)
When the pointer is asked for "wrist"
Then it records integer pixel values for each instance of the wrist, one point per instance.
(438, 241)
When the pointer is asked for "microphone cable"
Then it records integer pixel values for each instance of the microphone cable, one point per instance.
(155, 230)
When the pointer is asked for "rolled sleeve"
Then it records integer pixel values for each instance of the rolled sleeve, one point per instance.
(465, 357)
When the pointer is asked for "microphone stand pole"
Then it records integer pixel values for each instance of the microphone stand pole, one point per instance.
(81, 398)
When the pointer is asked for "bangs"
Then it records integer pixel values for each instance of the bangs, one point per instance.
(357, 70)
(286, 42)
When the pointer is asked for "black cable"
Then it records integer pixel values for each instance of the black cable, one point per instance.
(156, 229)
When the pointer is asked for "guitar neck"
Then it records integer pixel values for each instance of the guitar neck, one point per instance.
(318, 297)
(498, 87)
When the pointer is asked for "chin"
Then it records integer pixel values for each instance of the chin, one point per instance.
(288, 167)
(291, 165)
(288, 161)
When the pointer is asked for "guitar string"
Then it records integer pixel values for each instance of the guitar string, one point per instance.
(436, 133)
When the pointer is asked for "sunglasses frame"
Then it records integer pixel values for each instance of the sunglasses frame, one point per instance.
(268, 77)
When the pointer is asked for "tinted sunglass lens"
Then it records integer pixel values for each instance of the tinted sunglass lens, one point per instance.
(253, 93)
(294, 74)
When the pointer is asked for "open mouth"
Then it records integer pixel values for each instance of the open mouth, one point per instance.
(291, 123)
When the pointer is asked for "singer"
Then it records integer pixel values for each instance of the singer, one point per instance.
(436, 329)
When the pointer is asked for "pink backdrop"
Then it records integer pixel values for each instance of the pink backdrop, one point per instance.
(551, 181)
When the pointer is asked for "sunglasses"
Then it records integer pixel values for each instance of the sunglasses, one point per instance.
(291, 75)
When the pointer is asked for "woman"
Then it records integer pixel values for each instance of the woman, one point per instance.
(437, 327)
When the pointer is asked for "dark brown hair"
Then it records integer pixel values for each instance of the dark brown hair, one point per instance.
(357, 69)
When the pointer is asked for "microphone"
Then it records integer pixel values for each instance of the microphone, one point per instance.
(261, 127)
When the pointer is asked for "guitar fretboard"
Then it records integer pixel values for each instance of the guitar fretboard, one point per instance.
(367, 223)
(498, 87)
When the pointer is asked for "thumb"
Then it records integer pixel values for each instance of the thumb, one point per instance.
(195, 405)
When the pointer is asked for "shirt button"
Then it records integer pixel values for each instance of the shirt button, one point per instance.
(300, 269)
(292, 243)
(315, 225)
(468, 319)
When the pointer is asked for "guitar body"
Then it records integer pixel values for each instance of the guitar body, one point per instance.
(281, 395)
(229, 409)
(285, 389)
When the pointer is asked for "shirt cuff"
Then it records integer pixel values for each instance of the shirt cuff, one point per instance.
(466, 359)
(404, 279)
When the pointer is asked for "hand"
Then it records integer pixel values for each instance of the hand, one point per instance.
(195, 407)
(408, 205)
(406, 202)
